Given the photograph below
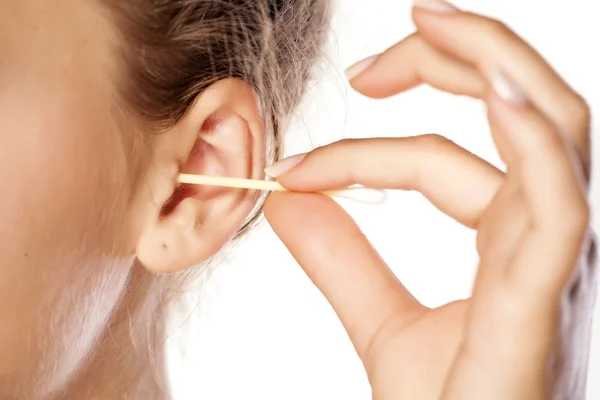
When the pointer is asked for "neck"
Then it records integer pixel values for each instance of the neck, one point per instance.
(127, 361)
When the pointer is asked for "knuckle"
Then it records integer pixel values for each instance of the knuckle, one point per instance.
(333, 148)
(577, 219)
(497, 29)
(579, 114)
(347, 142)
(433, 140)
(582, 215)
(434, 145)
(339, 143)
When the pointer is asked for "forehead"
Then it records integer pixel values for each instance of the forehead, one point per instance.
(48, 38)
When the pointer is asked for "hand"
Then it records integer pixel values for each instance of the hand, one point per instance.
(532, 222)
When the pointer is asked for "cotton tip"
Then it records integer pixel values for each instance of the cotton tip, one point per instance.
(362, 195)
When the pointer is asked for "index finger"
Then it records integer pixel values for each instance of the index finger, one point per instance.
(454, 180)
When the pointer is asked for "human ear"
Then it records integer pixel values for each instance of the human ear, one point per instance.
(221, 135)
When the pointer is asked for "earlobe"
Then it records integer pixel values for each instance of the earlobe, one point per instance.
(227, 139)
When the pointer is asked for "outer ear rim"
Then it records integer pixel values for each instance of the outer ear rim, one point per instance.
(206, 235)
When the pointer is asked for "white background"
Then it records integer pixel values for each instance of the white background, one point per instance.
(258, 329)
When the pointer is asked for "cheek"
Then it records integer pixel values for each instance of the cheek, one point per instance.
(63, 202)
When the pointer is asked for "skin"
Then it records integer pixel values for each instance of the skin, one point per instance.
(79, 312)
(525, 332)
(83, 235)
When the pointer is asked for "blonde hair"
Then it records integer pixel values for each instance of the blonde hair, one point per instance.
(174, 49)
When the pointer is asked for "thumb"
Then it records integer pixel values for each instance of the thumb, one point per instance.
(341, 262)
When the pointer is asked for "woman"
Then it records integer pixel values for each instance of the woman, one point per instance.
(104, 103)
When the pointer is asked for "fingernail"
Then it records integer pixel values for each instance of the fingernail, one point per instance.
(281, 167)
(360, 67)
(437, 6)
(507, 89)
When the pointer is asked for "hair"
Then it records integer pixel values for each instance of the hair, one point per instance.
(175, 49)
(172, 50)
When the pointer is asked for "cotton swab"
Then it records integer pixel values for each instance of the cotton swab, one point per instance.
(355, 193)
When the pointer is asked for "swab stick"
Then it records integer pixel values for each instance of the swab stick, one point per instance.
(355, 193)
